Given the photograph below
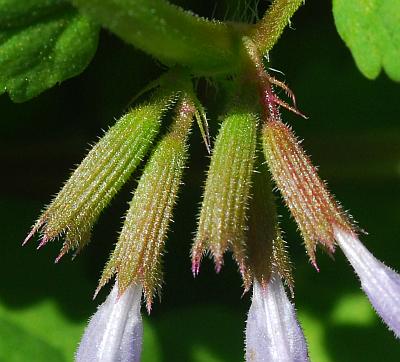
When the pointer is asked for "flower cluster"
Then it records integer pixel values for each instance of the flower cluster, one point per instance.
(252, 149)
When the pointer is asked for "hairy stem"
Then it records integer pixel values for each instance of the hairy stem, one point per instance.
(170, 34)
(268, 30)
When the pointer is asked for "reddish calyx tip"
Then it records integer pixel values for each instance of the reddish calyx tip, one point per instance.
(314, 264)
(218, 266)
(196, 261)
(148, 307)
(96, 292)
(43, 242)
(195, 269)
(34, 230)
(29, 236)
(62, 253)
(218, 260)
(246, 288)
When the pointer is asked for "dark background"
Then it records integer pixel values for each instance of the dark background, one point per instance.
(353, 133)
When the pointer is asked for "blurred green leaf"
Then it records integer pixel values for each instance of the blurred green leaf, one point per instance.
(204, 333)
(42, 42)
(371, 29)
(353, 309)
(314, 330)
(47, 333)
(32, 348)
(15, 13)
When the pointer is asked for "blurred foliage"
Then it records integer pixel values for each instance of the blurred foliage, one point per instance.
(353, 134)
(42, 42)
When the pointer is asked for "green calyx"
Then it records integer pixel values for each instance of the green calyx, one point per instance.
(101, 174)
(222, 222)
(225, 223)
(137, 256)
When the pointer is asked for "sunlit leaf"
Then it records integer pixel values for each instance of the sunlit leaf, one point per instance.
(42, 43)
(371, 29)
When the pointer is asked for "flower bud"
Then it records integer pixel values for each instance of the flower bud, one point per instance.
(137, 255)
(380, 283)
(115, 331)
(222, 223)
(100, 175)
(273, 333)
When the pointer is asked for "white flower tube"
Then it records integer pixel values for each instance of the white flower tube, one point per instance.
(379, 282)
(115, 331)
(273, 333)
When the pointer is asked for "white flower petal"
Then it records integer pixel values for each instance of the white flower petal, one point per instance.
(273, 332)
(379, 282)
(115, 331)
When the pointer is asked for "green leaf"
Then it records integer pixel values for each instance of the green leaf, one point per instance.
(42, 42)
(371, 29)
(32, 325)
(343, 312)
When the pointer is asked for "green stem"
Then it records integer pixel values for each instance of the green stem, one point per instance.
(267, 31)
(170, 34)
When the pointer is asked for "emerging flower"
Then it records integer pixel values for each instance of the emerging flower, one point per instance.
(320, 219)
(115, 331)
(379, 282)
(272, 331)
(318, 216)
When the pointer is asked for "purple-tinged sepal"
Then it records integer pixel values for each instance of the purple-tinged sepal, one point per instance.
(272, 331)
(379, 282)
(115, 331)
(312, 206)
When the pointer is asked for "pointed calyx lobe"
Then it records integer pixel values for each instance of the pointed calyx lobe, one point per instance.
(314, 209)
(222, 221)
(101, 174)
(238, 212)
(137, 255)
